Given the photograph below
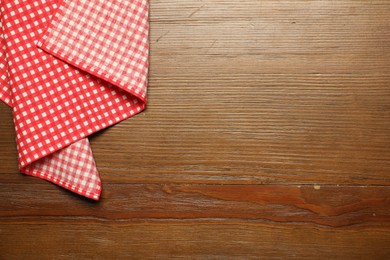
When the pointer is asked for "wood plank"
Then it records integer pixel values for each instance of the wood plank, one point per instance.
(190, 240)
(322, 205)
(256, 92)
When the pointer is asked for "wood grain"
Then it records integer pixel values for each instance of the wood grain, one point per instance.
(327, 206)
(267, 134)
(193, 240)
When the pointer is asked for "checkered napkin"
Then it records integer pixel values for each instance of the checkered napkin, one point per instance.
(70, 68)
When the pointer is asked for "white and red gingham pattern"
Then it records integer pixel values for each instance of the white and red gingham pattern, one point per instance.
(109, 39)
(55, 103)
(72, 168)
(5, 90)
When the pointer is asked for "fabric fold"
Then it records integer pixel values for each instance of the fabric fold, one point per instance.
(71, 68)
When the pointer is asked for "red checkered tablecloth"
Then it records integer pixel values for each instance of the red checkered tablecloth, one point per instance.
(68, 69)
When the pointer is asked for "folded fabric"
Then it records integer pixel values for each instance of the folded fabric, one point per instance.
(68, 69)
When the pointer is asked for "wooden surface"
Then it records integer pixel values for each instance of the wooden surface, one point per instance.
(267, 133)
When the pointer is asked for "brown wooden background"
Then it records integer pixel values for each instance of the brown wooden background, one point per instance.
(267, 134)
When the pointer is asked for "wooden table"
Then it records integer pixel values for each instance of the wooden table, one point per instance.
(267, 133)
